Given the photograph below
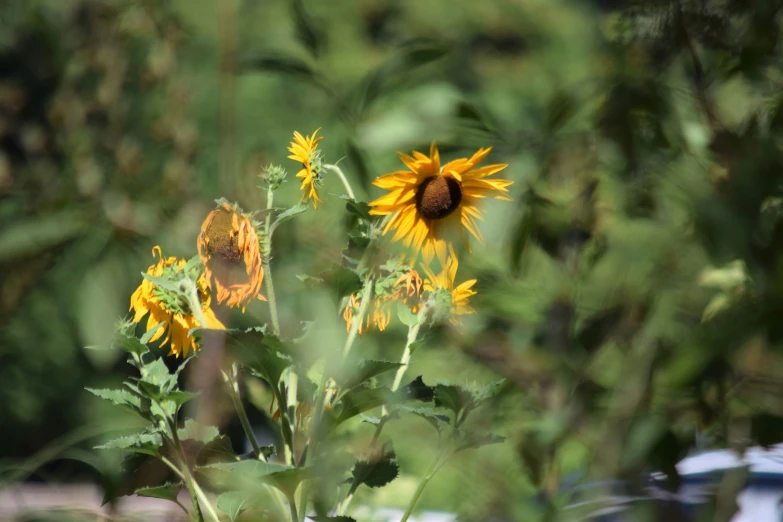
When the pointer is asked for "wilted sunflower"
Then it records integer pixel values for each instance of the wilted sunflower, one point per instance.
(427, 200)
(449, 300)
(304, 150)
(170, 314)
(229, 248)
(406, 290)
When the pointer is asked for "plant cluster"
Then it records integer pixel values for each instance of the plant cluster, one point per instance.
(428, 207)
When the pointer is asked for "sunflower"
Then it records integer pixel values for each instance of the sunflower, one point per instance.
(427, 200)
(449, 300)
(229, 248)
(304, 150)
(168, 313)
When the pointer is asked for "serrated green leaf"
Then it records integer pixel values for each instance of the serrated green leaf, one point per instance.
(168, 491)
(310, 281)
(436, 418)
(145, 442)
(452, 397)
(359, 400)
(244, 473)
(130, 344)
(290, 213)
(145, 339)
(234, 503)
(217, 450)
(193, 430)
(163, 282)
(376, 473)
(118, 397)
(180, 397)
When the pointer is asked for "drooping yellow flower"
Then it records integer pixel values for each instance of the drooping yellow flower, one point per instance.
(406, 290)
(229, 248)
(169, 315)
(304, 150)
(453, 299)
(427, 202)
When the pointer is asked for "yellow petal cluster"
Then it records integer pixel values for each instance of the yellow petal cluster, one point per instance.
(304, 150)
(174, 323)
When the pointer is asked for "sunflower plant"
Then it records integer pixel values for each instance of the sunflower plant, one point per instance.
(181, 305)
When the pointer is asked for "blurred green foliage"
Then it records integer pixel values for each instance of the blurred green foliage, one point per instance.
(631, 296)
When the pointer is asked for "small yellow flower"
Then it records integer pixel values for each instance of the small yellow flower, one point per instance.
(165, 313)
(427, 201)
(454, 299)
(304, 150)
(229, 248)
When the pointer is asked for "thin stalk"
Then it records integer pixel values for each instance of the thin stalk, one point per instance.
(337, 170)
(233, 391)
(293, 384)
(436, 464)
(268, 282)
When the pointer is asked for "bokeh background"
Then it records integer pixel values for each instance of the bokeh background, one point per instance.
(631, 295)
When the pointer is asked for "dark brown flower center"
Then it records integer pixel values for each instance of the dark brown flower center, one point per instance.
(438, 196)
(222, 241)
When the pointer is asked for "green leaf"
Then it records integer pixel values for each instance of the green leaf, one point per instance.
(119, 397)
(344, 280)
(433, 416)
(366, 370)
(193, 430)
(145, 442)
(310, 281)
(180, 397)
(406, 316)
(324, 518)
(217, 450)
(145, 339)
(244, 473)
(290, 213)
(360, 400)
(452, 397)
(264, 354)
(358, 208)
(268, 451)
(474, 442)
(163, 282)
(281, 64)
(130, 344)
(234, 503)
(168, 491)
(376, 473)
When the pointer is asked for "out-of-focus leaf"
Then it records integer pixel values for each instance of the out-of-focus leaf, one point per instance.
(234, 503)
(281, 64)
(323, 518)
(366, 370)
(472, 441)
(306, 29)
(406, 316)
(217, 450)
(344, 280)
(260, 352)
(193, 430)
(34, 235)
(358, 208)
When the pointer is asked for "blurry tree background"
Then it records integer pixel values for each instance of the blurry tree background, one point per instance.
(632, 295)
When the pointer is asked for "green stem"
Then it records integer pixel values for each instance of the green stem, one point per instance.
(337, 170)
(270, 286)
(195, 303)
(413, 333)
(233, 391)
(291, 404)
(292, 506)
(439, 460)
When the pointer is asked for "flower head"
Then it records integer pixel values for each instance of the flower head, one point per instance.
(305, 150)
(428, 200)
(450, 301)
(229, 248)
(170, 313)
